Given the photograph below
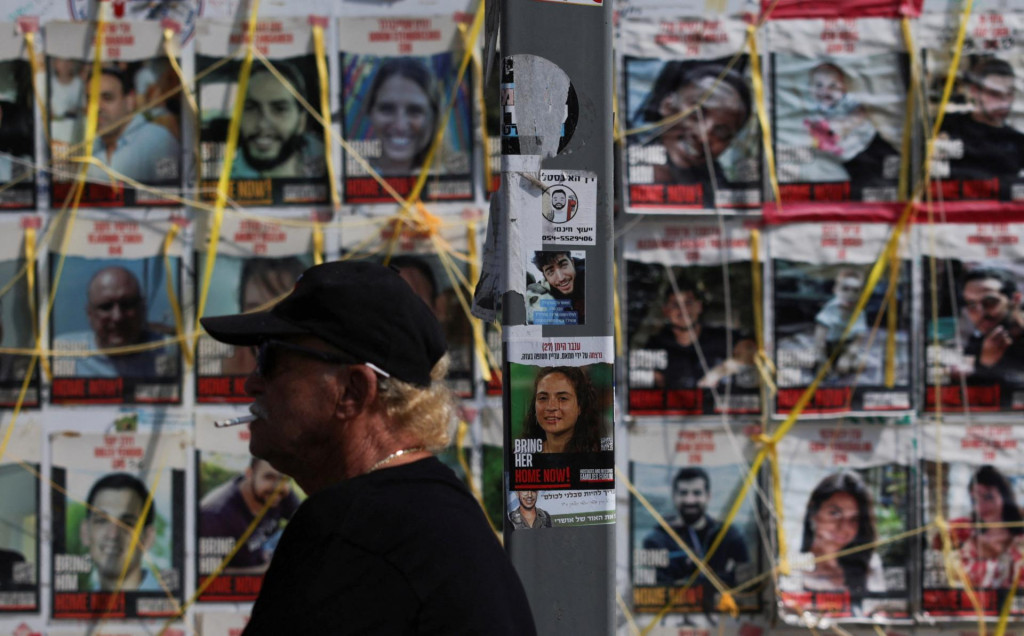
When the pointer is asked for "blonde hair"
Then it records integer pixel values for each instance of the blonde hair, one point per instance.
(424, 411)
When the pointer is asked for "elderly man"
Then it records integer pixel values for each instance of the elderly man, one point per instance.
(117, 318)
(350, 402)
(115, 503)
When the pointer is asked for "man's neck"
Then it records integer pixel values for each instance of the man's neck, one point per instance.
(686, 336)
(699, 524)
(529, 515)
(287, 168)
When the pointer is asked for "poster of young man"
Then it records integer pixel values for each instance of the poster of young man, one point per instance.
(16, 319)
(691, 475)
(973, 474)
(556, 287)
(561, 436)
(689, 319)
(20, 519)
(437, 278)
(974, 342)
(397, 79)
(693, 142)
(119, 487)
(819, 273)
(17, 122)
(846, 492)
(138, 130)
(280, 158)
(838, 105)
(979, 154)
(233, 488)
(113, 298)
(258, 261)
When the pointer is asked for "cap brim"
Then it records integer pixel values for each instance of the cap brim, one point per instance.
(249, 329)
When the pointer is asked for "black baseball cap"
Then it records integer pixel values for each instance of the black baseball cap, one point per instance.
(365, 310)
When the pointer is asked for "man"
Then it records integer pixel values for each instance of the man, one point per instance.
(273, 136)
(697, 355)
(229, 510)
(717, 110)
(350, 401)
(560, 299)
(117, 318)
(992, 303)
(115, 504)
(990, 147)
(691, 490)
(562, 209)
(126, 141)
(830, 323)
(528, 515)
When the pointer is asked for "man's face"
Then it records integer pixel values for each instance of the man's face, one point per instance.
(690, 497)
(721, 117)
(558, 200)
(848, 290)
(295, 408)
(560, 274)
(116, 310)
(827, 87)
(993, 99)
(114, 106)
(986, 305)
(682, 310)
(272, 123)
(264, 480)
(527, 499)
(108, 542)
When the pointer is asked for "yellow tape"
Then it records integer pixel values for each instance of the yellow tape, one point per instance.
(619, 345)
(33, 305)
(133, 544)
(33, 61)
(763, 363)
(318, 244)
(771, 446)
(947, 90)
(325, 112)
(762, 115)
(172, 292)
(1004, 615)
(172, 59)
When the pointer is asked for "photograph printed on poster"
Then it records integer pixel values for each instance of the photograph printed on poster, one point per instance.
(561, 436)
(556, 287)
(668, 165)
(105, 303)
(17, 124)
(691, 476)
(393, 110)
(16, 329)
(979, 152)
(20, 520)
(233, 488)
(973, 475)
(974, 346)
(99, 502)
(691, 348)
(138, 127)
(838, 108)
(815, 295)
(844, 489)
(540, 509)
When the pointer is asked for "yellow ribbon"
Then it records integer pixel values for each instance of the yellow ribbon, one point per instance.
(1004, 615)
(325, 112)
(172, 292)
(771, 446)
(318, 244)
(133, 544)
(619, 344)
(33, 61)
(172, 59)
(764, 365)
(762, 115)
(33, 305)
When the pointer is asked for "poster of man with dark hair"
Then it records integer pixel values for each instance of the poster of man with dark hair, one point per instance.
(17, 123)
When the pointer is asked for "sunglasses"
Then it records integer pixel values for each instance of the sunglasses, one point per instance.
(268, 354)
(986, 303)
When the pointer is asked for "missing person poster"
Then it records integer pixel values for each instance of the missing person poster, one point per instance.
(403, 105)
(838, 106)
(556, 287)
(846, 496)
(692, 140)
(258, 261)
(17, 122)
(689, 319)
(280, 157)
(690, 475)
(236, 492)
(561, 433)
(436, 266)
(118, 525)
(16, 318)
(20, 518)
(974, 340)
(978, 155)
(137, 147)
(972, 474)
(819, 273)
(114, 323)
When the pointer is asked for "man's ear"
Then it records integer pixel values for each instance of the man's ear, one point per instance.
(359, 385)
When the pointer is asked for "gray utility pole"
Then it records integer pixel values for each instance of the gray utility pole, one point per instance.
(556, 66)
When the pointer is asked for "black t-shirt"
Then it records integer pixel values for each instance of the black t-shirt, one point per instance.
(684, 369)
(989, 151)
(404, 550)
